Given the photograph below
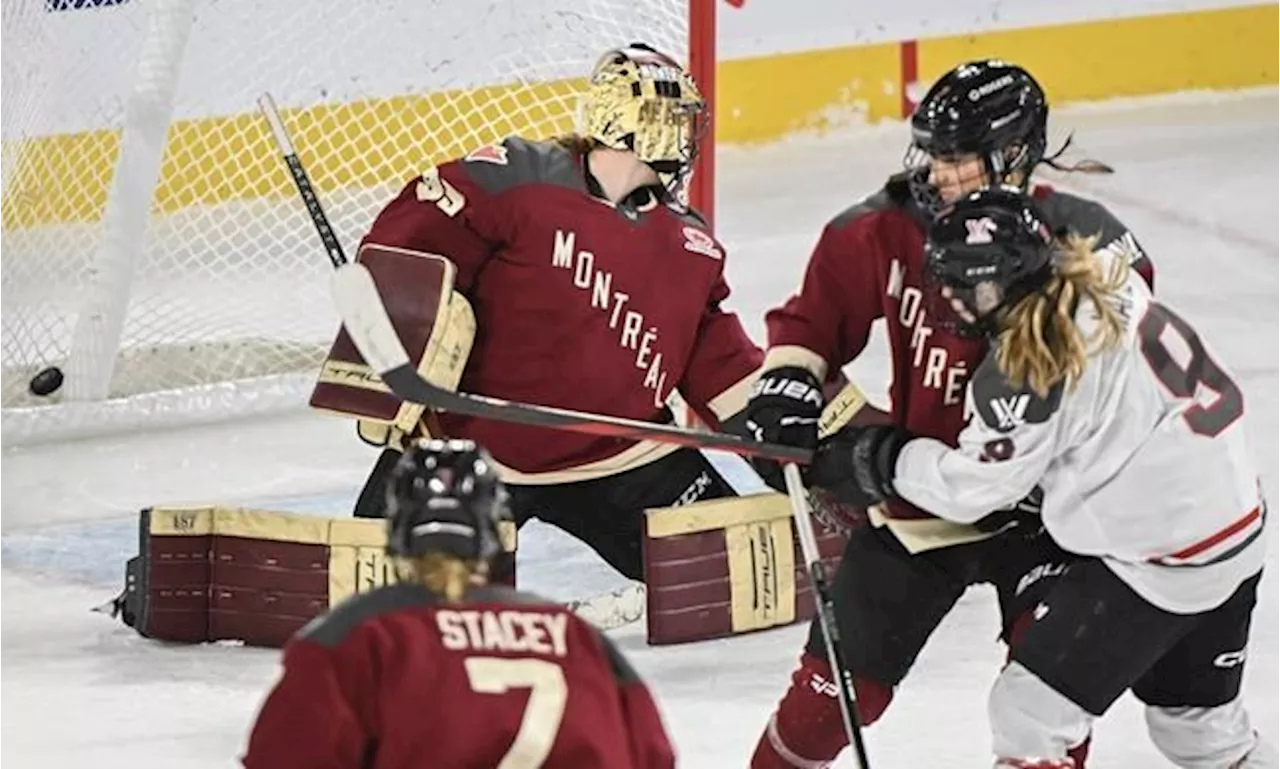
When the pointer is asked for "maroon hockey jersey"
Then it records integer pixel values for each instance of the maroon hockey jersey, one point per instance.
(398, 679)
(869, 264)
(580, 303)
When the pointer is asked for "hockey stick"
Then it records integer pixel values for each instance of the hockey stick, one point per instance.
(606, 611)
(332, 247)
(611, 610)
(366, 320)
(848, 696)
(362, 312)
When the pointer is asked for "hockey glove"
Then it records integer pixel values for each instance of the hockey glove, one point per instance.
(784, 407)
(857, 463)
(1023, 515)
(832, 515)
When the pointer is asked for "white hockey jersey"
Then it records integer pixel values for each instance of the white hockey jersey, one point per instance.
(1144, 463)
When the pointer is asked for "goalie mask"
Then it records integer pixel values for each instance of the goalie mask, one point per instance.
(642, 101)
(445, 497)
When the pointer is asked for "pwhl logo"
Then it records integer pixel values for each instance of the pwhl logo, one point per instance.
(1010, 412)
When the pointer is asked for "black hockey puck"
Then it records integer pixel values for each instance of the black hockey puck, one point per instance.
(46, 382)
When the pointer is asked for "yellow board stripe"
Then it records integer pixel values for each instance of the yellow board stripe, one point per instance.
(1217, 49)
(221, 159)
(66, 178)
(767, 98)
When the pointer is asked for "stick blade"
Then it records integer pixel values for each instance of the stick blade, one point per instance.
(612, 610)
(360, 306)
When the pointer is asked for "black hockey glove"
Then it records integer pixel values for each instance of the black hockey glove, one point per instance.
(832, 515)
(784, 407)
(1023, 515)
(857, 463)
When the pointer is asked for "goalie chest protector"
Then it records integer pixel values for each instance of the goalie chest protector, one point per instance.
(435, 323)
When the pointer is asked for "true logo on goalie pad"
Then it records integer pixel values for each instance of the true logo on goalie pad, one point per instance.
(688, 598)
(761, 574)
(357, 569)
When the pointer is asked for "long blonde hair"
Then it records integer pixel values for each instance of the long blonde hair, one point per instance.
(443, 574)
(576, 143)
(1040, 343)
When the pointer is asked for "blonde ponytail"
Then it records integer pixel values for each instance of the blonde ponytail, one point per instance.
(1041, 345)
(443, 574)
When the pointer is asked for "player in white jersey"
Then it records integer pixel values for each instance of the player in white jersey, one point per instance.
(1112, 405)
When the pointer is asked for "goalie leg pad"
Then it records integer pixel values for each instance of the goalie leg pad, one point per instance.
(256, 576)
(372, 502)
(725, 566)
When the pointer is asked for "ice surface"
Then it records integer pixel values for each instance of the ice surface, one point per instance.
(1196, 180)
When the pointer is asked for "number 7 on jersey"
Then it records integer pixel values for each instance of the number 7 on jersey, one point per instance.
(542, 714)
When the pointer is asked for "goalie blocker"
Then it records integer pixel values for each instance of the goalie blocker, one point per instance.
(437, 327)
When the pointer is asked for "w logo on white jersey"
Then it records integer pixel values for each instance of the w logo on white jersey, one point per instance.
(1011, 411)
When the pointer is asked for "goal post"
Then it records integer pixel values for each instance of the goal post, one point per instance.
(154, 249)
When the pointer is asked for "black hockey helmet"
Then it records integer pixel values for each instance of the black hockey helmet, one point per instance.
(989, 250)
(990, 108)
(445, 497)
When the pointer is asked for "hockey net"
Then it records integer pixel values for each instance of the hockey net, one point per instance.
(154, 249)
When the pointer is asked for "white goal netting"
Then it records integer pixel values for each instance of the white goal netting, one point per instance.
(154, 249)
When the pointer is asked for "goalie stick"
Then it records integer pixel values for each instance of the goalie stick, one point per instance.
(613, 609)
(847, 697)
(606, 611)
(362, 312)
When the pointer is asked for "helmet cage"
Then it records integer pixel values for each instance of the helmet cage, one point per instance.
(992, 110)
(444, 497)
(642, 101)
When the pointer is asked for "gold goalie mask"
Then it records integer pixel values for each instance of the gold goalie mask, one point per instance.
(642, 101)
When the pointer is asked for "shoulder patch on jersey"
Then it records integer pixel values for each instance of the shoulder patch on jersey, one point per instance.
(517, 162)
(1004, 407)
(699, 242)
(492, 153)
(333, 627)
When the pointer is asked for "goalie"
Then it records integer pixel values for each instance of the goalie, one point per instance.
(594, 287)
